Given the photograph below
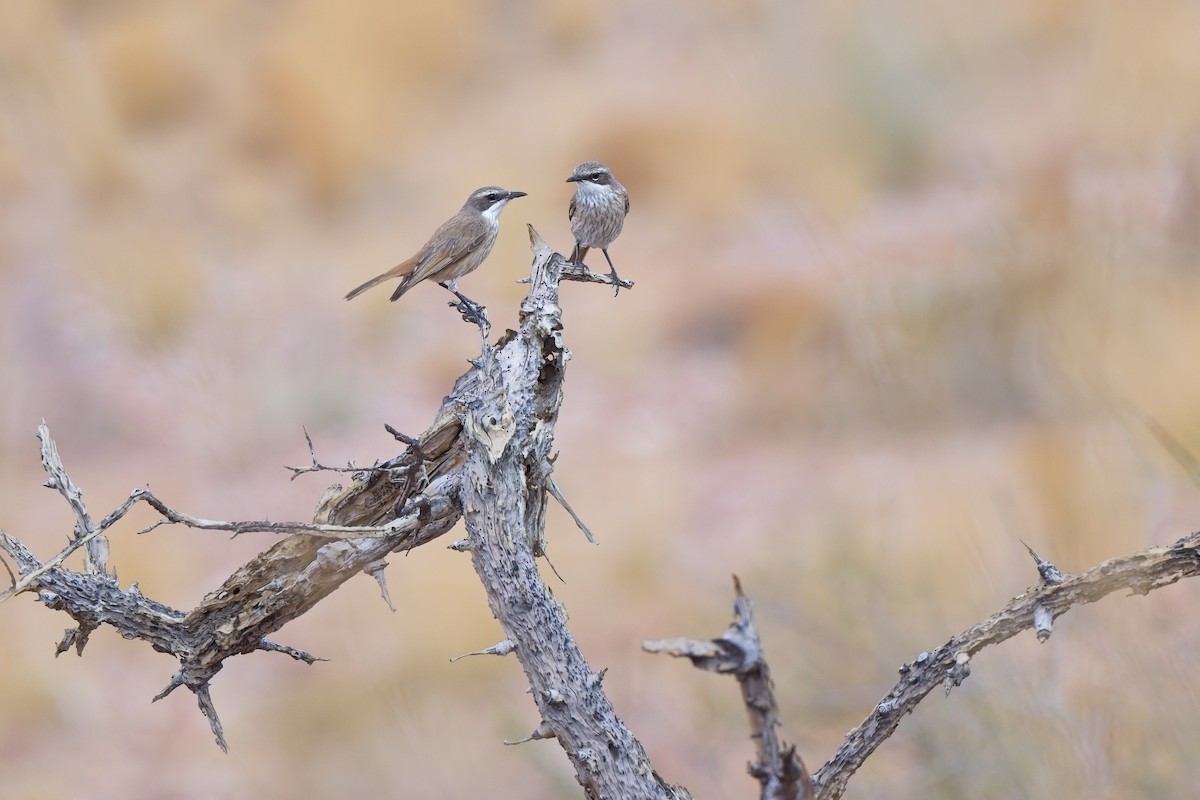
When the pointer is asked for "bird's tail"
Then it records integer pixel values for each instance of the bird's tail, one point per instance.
(378, 279)
(403, 270)
(404, 286)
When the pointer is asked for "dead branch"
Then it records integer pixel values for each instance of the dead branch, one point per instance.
(1140, 573)
(949, 665)
(779, 770)
(508, 432)
(383, 510)
(487, 458)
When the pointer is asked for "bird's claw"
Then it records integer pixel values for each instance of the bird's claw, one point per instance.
(616, 282)
(471, 312)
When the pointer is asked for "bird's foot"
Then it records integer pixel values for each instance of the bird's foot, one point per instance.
(612, 275)
(617, 282)
(471, 312)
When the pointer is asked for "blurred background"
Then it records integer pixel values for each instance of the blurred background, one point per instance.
(914, 281)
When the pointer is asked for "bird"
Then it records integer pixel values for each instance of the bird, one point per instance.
(597, 212)
(456, 248)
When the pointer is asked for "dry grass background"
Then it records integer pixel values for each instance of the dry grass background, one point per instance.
(911, 278)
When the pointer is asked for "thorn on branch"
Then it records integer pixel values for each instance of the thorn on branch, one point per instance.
(543, 731)
(550, 484)
(375, 570)
(553, 568)
(1049, 573)
(501, 648)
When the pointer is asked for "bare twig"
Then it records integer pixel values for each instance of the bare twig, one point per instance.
(277, 586)
(778, 769)
(1141, 573)
(299, 655)
(12, 579)
(562, 501)
(173, 517)
(317, 466)
(501, 648)
(85, 531)
(86, 534)
(579, 272)
(542, 731)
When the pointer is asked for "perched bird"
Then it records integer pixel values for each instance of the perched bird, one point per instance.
(597, 211)
(459, 246)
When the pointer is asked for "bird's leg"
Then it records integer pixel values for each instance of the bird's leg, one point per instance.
(471, 311)
(612, 273)
(576, 258)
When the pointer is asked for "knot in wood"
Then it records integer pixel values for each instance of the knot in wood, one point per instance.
(493, 428)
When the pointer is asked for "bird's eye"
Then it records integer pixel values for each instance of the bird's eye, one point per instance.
(595, 176)
(493, 197)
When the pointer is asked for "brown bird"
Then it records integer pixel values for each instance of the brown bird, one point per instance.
(597, 211)
(459, 246)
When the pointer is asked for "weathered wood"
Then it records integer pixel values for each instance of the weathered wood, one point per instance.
(778, 769)
(487, 458)
(1140, 573)
(510, 428)
(488, 451)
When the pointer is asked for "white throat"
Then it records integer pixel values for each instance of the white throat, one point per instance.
(492, 214)
(592, 193)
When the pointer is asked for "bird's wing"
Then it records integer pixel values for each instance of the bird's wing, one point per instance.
(571, 210)
(444, 252)
(627, 202)
(453, 241)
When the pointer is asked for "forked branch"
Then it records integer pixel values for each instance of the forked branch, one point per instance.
(486, 457)
(737, 651)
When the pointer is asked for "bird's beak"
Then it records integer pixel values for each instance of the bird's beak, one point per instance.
(574, 179)
(514, 195)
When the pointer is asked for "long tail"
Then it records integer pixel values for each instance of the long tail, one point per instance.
(403, 270)
(404, 286)
(378, 279)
